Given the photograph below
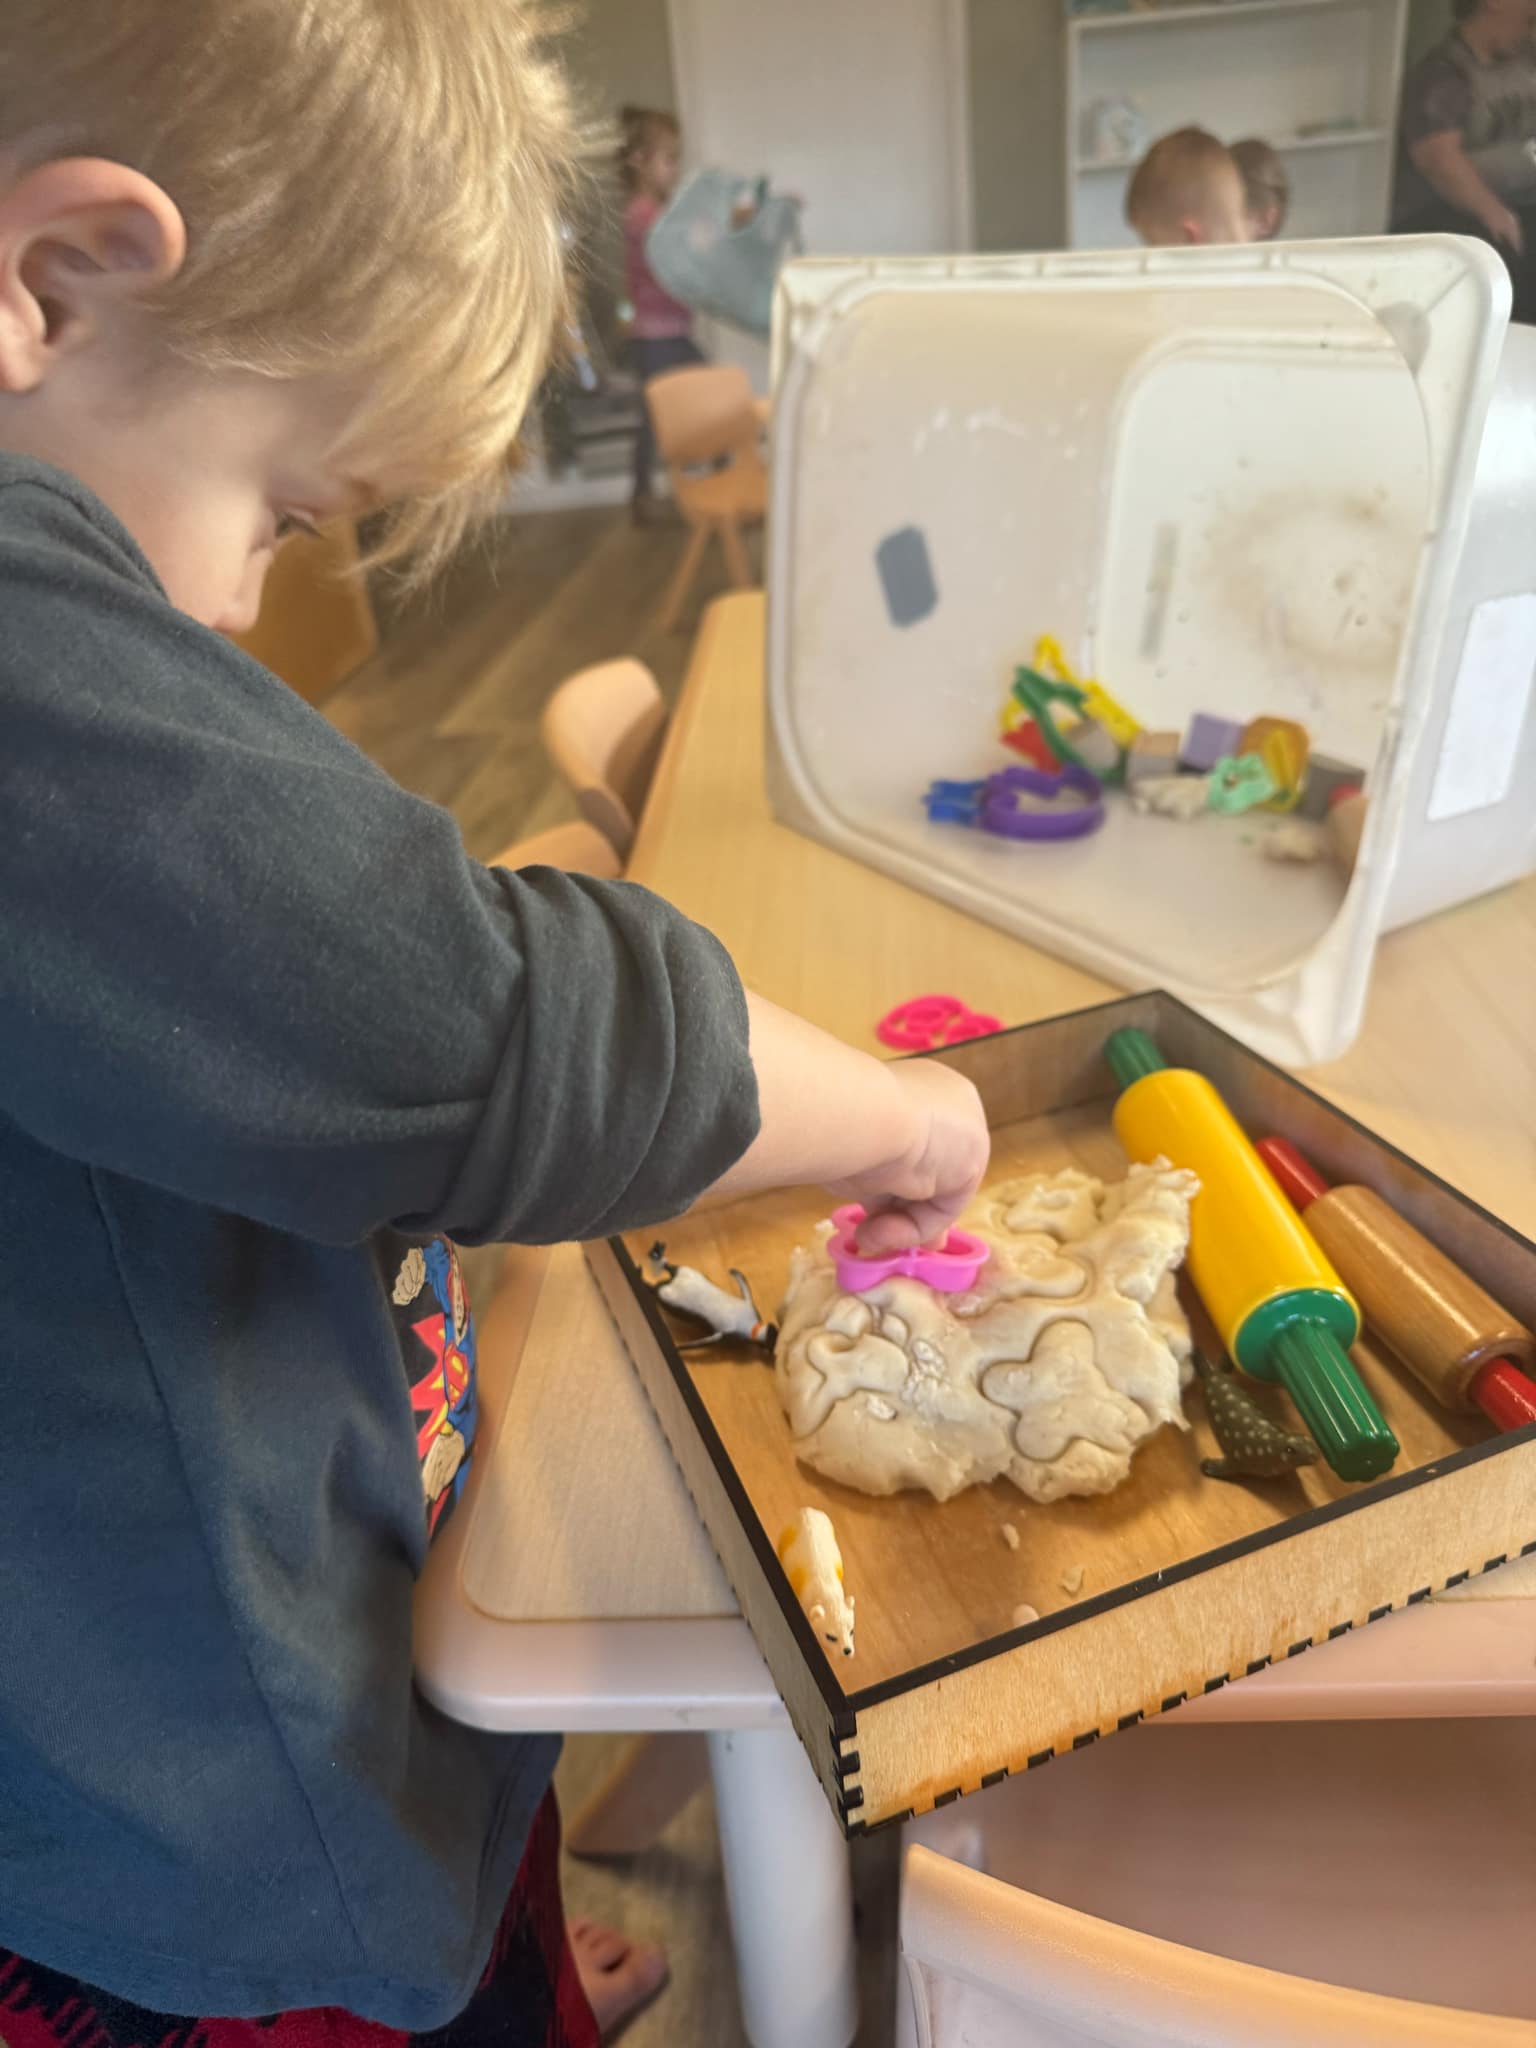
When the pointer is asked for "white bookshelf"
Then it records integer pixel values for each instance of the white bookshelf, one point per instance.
(1319, 79)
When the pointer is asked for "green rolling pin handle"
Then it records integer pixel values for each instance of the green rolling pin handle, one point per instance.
(1132, 1055)
(1333, 1401)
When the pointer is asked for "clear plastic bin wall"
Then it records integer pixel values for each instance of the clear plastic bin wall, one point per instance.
(1233, 481)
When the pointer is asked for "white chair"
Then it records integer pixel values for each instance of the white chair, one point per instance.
(1321, 1885)
(984, 1965)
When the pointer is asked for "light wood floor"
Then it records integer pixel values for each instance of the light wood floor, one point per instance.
(450, 707)
(450, 704)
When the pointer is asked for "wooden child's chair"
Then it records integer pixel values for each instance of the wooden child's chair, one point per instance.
(602, 731)
(316, 623)
(709, 429)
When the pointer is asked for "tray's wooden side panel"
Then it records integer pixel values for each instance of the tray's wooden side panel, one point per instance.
(1265, 1100)
(1063, 1690)
(824, 1728)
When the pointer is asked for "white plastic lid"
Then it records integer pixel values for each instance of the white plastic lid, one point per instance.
(1230, 481)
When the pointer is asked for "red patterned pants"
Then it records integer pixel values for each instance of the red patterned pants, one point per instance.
(529, 1996)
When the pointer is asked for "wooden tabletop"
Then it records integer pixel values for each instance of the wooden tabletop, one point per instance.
(1445, 1067)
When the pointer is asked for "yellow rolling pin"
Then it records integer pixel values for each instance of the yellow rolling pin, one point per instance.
(1279, 1307)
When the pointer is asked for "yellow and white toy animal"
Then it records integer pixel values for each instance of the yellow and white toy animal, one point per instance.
(813, 1565)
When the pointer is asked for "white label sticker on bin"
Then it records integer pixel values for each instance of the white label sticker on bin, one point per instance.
(1488, 707)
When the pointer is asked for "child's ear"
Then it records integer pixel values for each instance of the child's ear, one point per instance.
(78, 238)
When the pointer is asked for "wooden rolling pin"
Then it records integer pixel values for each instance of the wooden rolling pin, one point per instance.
(1468, 1351)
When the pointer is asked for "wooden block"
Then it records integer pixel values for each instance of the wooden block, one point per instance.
(1208, 739)
(1324, 776)
(1179, 1583)
(1151, 754)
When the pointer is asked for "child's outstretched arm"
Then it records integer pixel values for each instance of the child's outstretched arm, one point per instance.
(909, 1139)
(240, 966)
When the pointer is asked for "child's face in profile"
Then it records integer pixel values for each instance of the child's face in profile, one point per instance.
(209, 473)
(211, 476)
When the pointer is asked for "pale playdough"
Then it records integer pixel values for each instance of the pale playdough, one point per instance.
(1294, 840)
(1171, 796)
(1068, 1353)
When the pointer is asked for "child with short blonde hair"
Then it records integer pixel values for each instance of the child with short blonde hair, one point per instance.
(271, 1040)
(1187, 189)
(1266, 186)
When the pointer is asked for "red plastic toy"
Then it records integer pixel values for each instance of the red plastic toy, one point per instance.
(1027, 739)
(927, 1022)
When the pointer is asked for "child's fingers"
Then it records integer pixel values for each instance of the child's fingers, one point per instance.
(886, 1230)
(903, 1225)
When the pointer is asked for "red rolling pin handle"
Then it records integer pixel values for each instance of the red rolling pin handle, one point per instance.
(1300, 1181)
(1506, 1394)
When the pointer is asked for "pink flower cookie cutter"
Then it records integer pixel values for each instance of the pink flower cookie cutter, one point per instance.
(927, 1022)
(951, 1269)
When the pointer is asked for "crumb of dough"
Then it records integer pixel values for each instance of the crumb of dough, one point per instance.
(1172, 796)
(1010, 1536)
(1072, 1581)
(1024, 1614)
(1295, 840)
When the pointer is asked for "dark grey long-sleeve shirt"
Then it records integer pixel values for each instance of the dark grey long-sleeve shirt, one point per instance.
(264, 1029)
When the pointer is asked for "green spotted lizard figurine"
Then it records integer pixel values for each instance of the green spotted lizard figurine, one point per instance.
(1255, 1447)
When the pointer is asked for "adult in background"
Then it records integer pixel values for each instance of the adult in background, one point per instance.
(1467, 139)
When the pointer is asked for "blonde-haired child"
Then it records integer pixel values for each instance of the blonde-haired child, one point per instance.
(1187, 189)
(271, 1039)
(660, 327)
(1266, 186)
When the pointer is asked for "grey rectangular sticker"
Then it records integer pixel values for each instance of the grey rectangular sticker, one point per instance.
(906, 576)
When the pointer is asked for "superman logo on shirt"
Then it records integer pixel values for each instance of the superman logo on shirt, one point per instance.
(443, 1365)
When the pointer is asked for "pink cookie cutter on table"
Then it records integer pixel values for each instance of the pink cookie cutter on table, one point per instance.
(952, 1269)
(930, 1021)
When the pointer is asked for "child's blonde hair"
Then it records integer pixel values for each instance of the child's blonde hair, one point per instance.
(1177, 181)
(370, 187)
(642, 129)
(1266, 185)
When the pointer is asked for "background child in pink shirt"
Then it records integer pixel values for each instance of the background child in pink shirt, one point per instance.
(661, 327)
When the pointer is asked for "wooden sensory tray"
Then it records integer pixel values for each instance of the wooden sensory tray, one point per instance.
(1186, 1582)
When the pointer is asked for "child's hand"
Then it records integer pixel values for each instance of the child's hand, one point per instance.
(908, 1140)
(914, 1200)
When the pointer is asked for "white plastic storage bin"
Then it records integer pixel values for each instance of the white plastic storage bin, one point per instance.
(1230, 480)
